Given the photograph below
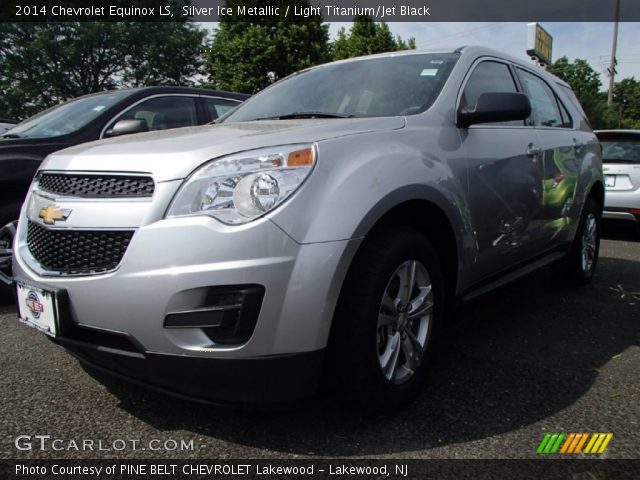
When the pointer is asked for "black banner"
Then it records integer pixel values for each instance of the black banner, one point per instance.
(329, 10)
(543, 469)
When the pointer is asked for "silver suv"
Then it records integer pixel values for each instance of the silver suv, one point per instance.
(323, 227)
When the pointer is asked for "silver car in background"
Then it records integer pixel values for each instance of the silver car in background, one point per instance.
(621, 166)
(321, 230)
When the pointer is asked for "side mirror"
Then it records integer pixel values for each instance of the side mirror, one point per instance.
(496, 107)
(126, 127)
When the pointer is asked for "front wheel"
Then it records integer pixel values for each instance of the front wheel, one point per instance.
(391, 301)
(7, 234)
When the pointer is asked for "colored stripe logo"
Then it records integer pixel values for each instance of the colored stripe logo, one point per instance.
(574, 443)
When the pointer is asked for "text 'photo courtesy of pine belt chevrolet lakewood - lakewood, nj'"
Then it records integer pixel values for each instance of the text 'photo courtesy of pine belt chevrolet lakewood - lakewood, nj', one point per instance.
(318, 233)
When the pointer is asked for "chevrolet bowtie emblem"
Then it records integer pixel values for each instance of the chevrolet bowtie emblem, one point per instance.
(51, 214)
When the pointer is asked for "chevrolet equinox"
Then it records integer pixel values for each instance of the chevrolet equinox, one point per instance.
(323, 228)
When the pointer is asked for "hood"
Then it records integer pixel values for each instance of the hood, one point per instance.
(11, 144)
(174, 154)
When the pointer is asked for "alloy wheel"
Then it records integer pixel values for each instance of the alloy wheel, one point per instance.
(589, 242)
(7, 234)
(404, 321)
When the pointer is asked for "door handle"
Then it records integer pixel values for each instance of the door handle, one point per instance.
(533, 150)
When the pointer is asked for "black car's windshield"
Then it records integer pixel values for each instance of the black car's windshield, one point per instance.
(621, 151)
(66, 117)
(404, 84)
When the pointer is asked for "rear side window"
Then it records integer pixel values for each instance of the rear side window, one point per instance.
(566, 117)
(217, 107)
(575, 102)
(621, 151)
(488, 77)
(544, 104)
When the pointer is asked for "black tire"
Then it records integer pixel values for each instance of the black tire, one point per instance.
(354, 365)
(573, 270)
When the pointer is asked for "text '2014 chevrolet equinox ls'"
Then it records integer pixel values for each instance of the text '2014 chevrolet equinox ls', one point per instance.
(323, 226)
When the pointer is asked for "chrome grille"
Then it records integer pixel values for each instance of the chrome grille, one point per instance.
(77, 252)
(96, 186)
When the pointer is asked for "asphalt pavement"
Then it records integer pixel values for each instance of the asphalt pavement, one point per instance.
(532, 358)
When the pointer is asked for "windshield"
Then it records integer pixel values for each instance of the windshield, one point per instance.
(621, 151)
(371, 87)
(66, 117)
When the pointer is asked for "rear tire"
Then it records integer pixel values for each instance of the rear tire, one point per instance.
(579, 266)
(391, 301)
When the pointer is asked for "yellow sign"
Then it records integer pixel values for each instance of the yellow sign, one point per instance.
(539, 43)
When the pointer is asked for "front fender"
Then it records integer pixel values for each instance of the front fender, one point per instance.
(358, 179)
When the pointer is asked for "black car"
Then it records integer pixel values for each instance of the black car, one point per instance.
(6, 124)
(88, 118)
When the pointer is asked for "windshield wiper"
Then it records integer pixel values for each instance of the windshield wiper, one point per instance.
(294, 115)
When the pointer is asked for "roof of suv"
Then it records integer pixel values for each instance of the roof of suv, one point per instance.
(475, 51)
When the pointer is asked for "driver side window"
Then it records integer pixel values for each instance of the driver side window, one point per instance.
(161, 113)
(488, 77)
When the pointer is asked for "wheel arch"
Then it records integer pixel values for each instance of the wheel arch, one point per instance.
(401, 209)
(597, 193)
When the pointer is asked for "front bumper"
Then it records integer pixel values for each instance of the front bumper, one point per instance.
(171, 266)
(269, 379)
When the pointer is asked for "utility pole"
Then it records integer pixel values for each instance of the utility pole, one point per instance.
(614, 62)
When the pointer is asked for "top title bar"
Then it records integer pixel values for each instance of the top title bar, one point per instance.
(329, 10)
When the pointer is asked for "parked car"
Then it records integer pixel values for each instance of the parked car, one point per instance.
(621, 157)
(87, 118)
(6, 124)
(323, 228)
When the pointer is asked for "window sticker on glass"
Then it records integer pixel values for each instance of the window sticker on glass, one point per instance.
(436, 62)
(98, 108)
(429, 72)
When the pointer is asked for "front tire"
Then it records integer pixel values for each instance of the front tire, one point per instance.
(7, 234)
(385, 319)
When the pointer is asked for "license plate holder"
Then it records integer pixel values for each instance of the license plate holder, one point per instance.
(610, 180)
(38, 307)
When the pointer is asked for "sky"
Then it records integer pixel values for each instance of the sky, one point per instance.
(590, 41)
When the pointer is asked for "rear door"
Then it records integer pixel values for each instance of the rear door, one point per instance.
(563, 153)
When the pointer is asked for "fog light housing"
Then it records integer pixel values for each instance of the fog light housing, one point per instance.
(227, 315)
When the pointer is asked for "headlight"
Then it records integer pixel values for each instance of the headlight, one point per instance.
(240, 188)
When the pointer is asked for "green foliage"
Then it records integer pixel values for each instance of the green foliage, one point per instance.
(585, 82)
(43, 64)
(626, 97)
(247, 56)
(367, 37)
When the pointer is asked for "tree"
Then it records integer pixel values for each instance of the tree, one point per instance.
(367, 37)
(43, 64)
(626, 97)
(248, 55)
(585, 82)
